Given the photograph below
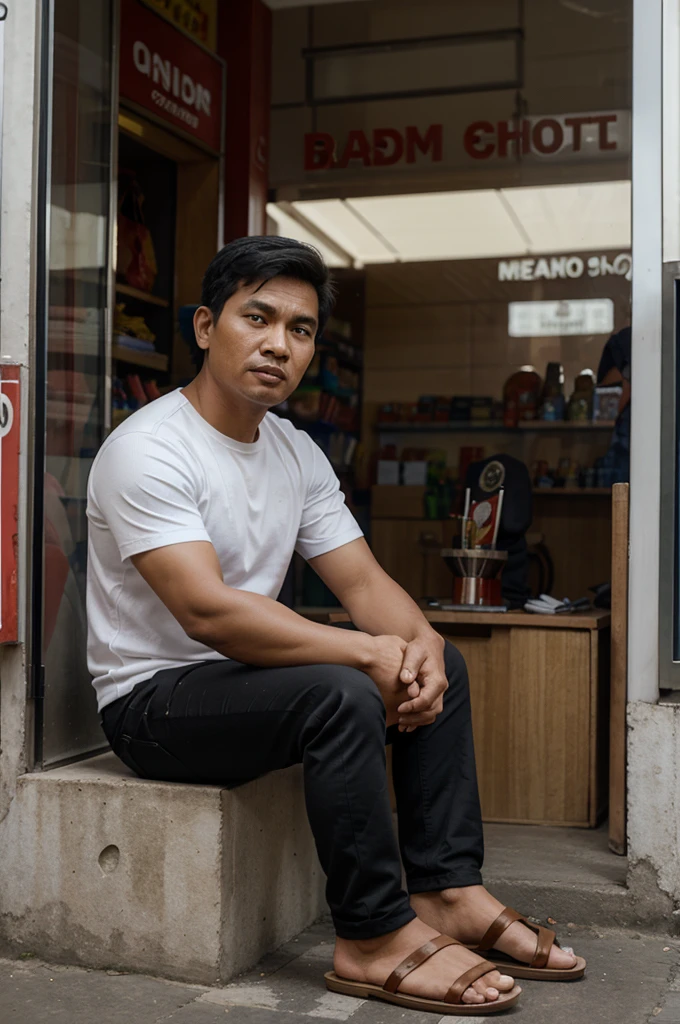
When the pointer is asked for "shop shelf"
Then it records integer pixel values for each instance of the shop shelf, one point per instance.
(540, 425)
(462, 426)
(570, 492)
(496, 427)
(150, 360)
(137, 293)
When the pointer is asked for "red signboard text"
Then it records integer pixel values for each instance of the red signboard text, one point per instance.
(165, 72)
(543, 136)
(383, 147)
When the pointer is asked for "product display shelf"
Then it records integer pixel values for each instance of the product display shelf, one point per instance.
(570, 492)
(150, 360)
(496, 427)
(137, 293)
(576, 425)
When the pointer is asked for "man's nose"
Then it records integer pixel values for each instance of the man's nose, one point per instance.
(276, 341)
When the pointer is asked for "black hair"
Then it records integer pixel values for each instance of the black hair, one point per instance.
(261, 258)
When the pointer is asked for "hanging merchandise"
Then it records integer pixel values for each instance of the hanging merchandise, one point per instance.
(136, 254)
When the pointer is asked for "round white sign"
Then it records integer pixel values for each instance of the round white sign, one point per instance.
(6, 415)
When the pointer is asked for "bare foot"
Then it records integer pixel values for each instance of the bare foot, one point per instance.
(373, 961)
(465, 914)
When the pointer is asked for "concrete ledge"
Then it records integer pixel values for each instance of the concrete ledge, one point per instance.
(571, 876)
(194, 883)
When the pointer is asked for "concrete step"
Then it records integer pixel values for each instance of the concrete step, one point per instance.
(571, 876)
(193, 883)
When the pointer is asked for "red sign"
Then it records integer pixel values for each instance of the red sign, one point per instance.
(10, 431)
(383, 148)
(165, 72)
(542, 136)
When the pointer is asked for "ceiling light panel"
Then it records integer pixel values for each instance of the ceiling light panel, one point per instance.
(469, 225)
(336, 219)
(563, 218)
(444, 225)
(288, 227)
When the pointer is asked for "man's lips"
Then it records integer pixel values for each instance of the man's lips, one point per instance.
(269, 374)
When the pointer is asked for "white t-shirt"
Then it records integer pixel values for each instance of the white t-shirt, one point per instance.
(165, 476)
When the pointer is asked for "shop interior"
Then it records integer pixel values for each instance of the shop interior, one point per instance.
(481, 276)
(168, 190)
(455, 389)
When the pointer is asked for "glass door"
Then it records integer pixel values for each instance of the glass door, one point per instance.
(75, 366)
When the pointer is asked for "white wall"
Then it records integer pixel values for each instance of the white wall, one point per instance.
(654, 728)
(643, 647)
(17, 263)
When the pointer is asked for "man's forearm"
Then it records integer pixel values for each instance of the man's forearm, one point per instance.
(380, 606)
(259, 631)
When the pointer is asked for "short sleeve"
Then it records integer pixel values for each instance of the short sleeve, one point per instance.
(146, 493)
(326, 521)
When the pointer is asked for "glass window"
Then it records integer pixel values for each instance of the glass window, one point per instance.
(75, 371)
(470, 165)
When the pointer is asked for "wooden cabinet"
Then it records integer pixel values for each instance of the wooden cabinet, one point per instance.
(539, 688)
(539, 691)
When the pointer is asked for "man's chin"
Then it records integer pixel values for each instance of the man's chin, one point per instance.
(269, 398)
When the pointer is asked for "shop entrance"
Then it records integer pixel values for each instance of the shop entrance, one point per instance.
(470, 188)
(472, 181)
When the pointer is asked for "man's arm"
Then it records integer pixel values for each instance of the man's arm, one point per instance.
(374, 601)
(257, 630)
(376, 605)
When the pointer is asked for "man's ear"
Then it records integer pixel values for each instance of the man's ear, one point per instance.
(203, 324)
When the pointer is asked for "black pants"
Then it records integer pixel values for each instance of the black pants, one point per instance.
(228, 723)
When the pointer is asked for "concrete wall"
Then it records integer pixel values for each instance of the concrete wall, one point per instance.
(654, 804)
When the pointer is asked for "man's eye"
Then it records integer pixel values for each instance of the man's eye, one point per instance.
(303, 330)
(256, 317)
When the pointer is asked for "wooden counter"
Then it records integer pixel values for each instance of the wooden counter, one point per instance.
(539, 687)
(592, 619)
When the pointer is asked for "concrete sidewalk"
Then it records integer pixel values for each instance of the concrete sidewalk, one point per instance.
(632, 979)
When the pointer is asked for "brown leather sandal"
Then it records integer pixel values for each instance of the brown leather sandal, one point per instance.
(452, 1001)
(537, 969)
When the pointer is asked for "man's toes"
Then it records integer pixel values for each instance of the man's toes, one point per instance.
(483, 988)
(561, 959)
(471, 996)
(502, 982)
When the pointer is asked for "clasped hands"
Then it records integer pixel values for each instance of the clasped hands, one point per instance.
(411, 678)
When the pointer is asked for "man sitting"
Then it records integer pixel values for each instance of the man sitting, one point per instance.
(196, 504)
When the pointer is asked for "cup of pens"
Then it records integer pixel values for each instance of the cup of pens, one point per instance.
(476, 564)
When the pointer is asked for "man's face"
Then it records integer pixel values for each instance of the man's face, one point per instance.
(263, 341)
